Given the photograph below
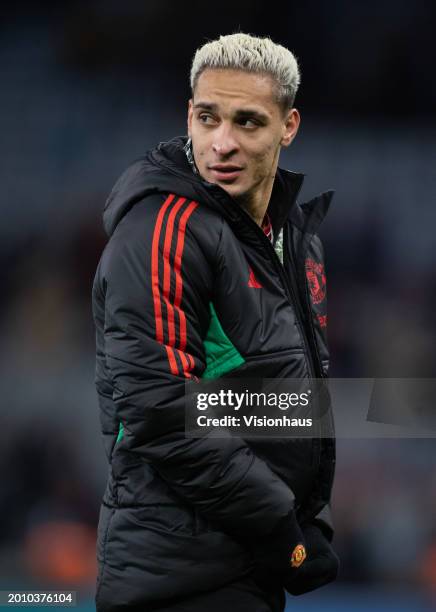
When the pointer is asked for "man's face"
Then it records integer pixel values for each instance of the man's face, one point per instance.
(237, 128)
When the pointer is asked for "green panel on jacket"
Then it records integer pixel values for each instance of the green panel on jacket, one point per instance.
(221, 354)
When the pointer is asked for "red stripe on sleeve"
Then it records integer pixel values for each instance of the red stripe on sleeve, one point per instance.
(155, 269)
(172, 360)
(185, 364)
(177, 270)
(167, 267)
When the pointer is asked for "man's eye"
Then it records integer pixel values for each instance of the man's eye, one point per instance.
(249, 123)
(206, 119)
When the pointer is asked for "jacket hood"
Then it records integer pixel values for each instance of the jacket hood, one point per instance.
(166, 169)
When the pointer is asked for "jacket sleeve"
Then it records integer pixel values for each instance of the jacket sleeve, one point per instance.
(156, 279)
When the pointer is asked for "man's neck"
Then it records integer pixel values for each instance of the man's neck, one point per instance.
(256, 204)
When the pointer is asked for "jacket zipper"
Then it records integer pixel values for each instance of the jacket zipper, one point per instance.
(301, 317)
(307, 321)
(312, 331)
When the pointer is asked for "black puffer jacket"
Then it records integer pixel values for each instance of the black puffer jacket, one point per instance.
(188, 285)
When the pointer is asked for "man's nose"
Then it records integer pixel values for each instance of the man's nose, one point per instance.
(224, 142)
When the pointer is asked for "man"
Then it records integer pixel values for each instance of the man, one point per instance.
(212, 270)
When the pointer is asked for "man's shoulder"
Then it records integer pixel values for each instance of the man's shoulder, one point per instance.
(167, 223)
(173, 209)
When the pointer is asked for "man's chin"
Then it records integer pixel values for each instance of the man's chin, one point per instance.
(234, 189)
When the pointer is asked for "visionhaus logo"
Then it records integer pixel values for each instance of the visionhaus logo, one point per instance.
(252, 421)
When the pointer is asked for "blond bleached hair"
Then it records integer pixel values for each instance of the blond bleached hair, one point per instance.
(249, 53)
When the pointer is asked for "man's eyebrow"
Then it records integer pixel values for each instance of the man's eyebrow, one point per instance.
(206, 106)
(240, 113)
(244, 113)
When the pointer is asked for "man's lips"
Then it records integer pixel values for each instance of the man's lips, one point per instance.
(225, 172)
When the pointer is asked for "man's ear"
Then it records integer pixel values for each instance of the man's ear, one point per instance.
(292, 123)
(190, 114)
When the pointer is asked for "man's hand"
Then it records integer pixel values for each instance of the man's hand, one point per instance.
(320, 567)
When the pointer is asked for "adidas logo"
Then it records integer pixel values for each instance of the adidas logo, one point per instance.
(252, 280)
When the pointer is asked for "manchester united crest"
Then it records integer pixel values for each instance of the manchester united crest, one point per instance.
(316, 279)
(298, 555)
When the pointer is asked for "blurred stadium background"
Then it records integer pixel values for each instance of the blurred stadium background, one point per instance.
(87, 87)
